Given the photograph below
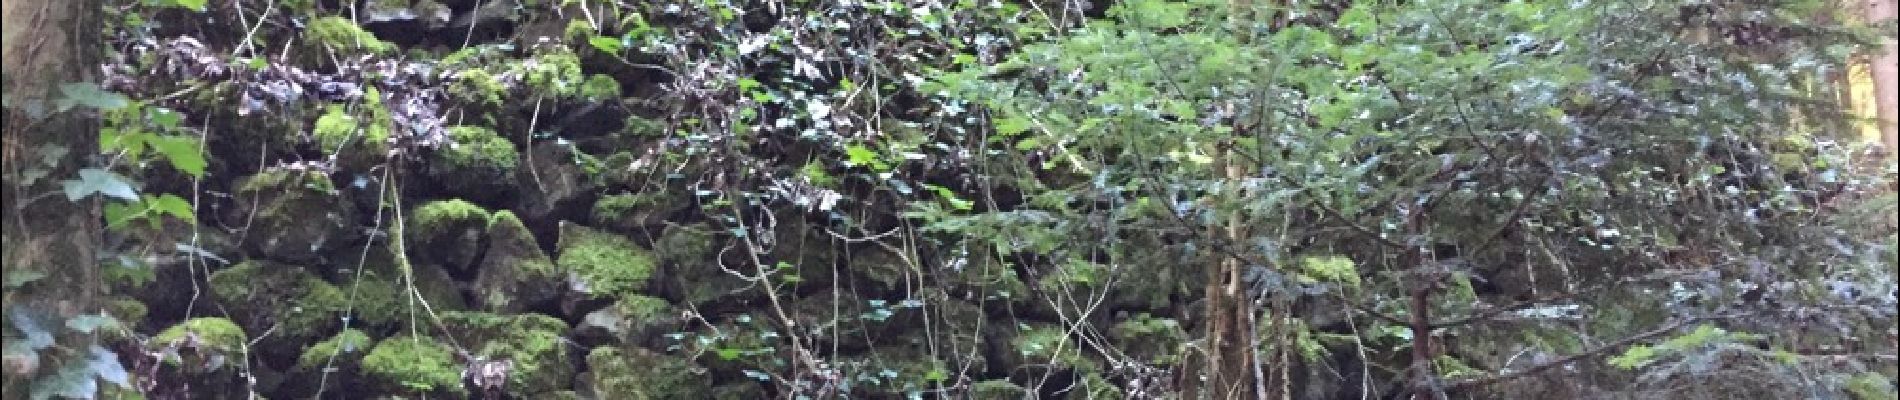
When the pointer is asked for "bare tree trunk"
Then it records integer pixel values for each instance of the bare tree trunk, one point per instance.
(44, 43)
(1885, 66)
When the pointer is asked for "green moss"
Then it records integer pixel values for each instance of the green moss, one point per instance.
(476, 147)
(554, 73)
(340, 33)
(643, 374)
(286, 178)
(414, 365)
(643, 127)
(515, 274)
(479, 87)
(346, 346)
(685, 244)
(1154, 340)
(1047, 344)
(445, 217)
(127, 310)
(205, 337)
(535, 344)
(578, 31)
(607, 264)
(997, 389)
(600, 88)
(334, 128)
(263, 294)
(617, 206)
(210, 333)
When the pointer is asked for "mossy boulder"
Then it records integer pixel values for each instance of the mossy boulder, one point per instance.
(599, 87)
(603, 264)
(632, 320)
(203, 352)
(555, 72)
(554, 183)
(294, 304)
(534, 348)
(1156, 341)
(476, 163)
(514, 274)
(344, 349)
(637, 373)
(447, 232)
(409, 366)
(693, 275)
(635, 212)
(382, 296)
(355, 138)
(196, 343)
(299, 216)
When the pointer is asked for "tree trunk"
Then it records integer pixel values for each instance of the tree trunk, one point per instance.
(1884, 66)
(44, 43)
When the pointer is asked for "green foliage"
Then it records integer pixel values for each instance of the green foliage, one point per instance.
(414, 365)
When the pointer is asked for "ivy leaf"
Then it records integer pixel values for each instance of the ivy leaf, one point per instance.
(36, 337)
(20, 277)
(173, 205)
(94, 180)
(90, 95)
(106, 365)
(182, 152)
(90, 322)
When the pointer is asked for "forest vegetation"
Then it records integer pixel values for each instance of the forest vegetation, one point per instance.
(958, 199)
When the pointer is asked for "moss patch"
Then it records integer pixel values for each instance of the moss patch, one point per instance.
(263, 294)
(600, 88)
(198, 339)
(535, 345)
(1154, 340)
(414, 365)
(207, 333)
(477, 147)
(515, 274)
(607, 264)
(448, 232)
(347, 346)
(643, 374)
(341, 34)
